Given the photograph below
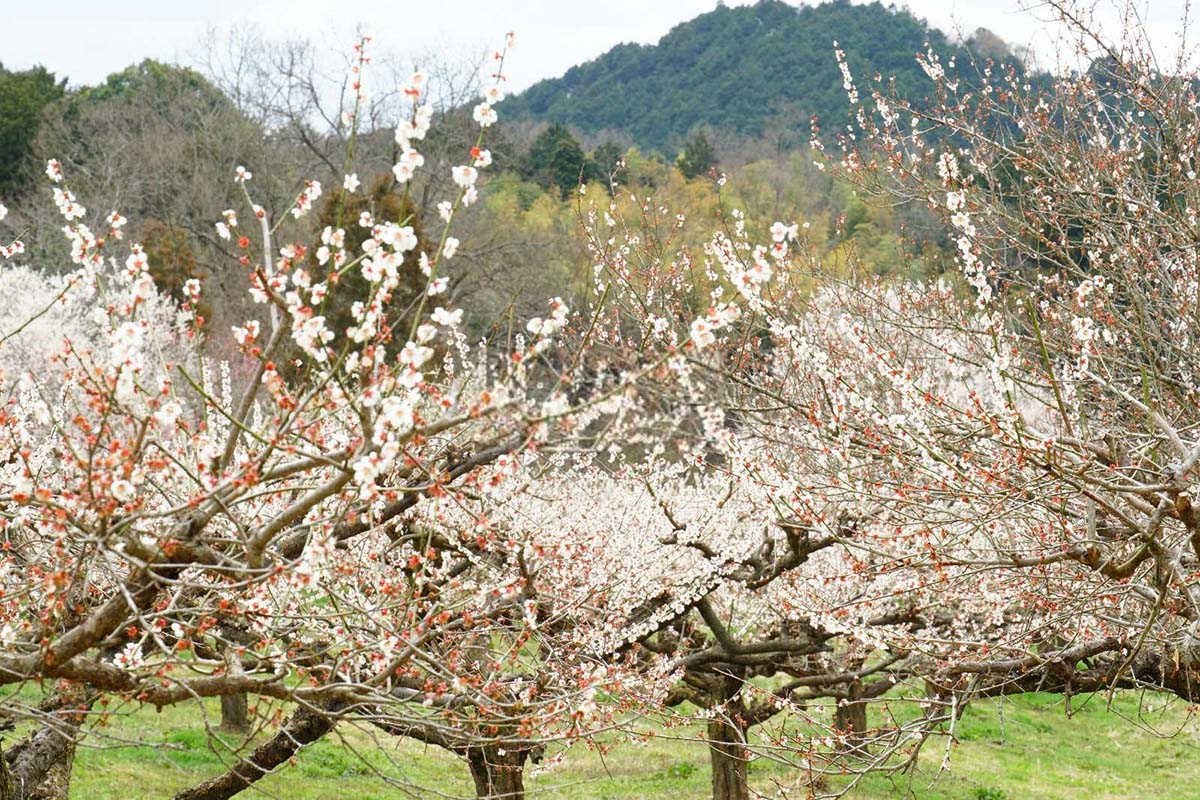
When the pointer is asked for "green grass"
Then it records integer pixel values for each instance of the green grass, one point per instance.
(1023, 747)
(1027, 747)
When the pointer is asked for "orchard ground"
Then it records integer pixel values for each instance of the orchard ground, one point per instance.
(1022, 747)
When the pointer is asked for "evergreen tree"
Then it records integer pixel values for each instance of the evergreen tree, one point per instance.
(607, 164)
(557, 159)
(697, 158)
(23, 95)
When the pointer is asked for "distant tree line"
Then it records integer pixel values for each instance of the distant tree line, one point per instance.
(745, 69)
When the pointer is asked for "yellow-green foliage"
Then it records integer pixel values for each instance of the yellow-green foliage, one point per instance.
(845, 233)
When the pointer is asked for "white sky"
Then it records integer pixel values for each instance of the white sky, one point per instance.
(86, 40)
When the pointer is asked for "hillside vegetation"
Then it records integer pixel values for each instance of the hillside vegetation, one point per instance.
(744, 69)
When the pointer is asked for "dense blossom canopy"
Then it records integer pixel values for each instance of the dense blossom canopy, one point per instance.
(716, 484)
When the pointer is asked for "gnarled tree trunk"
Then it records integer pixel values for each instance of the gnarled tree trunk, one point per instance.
(727, 737)
(39, 768)
(499, 772)
(727, 754)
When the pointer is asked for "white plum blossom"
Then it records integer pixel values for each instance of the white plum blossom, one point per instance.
(781, 232)
(464, 175)
(123, 491)
(245, 335)
(67, 206)
(143, 288)
(415, 128)
(484, 114)
(702, 333)
(312, 335)
(115, 223)
(304, 202)
(414, 355)
(551, 325)
(703, 329)
(335, 237)
(448, 318)
(127, 345)
(947, 167)
(408, 163)
(400, 238)
(130, 656)
(932, 65)
(847, 80)
(136, 262)
(168, 415)
(15, 248)
(417, 83)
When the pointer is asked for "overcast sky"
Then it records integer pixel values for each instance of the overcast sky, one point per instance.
(85, 40)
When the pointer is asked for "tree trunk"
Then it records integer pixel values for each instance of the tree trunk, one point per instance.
(727, 754)
(304, 727)
(7, 787)
(235, 713)
(39, 768)
(498, 772)
(56, 785)
(851, 719)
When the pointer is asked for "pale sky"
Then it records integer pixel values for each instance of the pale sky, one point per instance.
(86, 40)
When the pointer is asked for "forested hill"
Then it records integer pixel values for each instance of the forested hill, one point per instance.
(738, 69)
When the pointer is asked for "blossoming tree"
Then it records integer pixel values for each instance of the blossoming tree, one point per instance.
(177, 529)
(1062, 484)
(717, 483)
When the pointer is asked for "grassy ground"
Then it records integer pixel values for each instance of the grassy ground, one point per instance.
(1019, 748)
